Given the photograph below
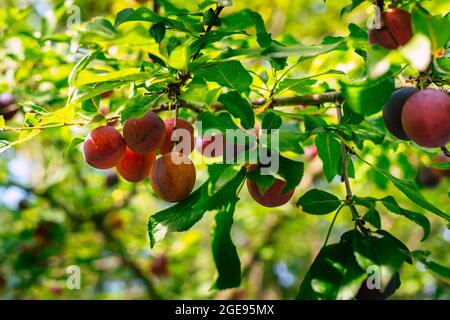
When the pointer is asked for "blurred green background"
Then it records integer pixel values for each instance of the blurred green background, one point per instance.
(57, 212)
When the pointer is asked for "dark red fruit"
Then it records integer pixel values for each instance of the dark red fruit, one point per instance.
(8, 107)
(104, 147)
(427, 177)
(146, 134)
(183, 129)
(211, 146)
(392, 111)
(173, 177)
(396, 29)
(160, 266)
(106, 94)
(272, 196)
(134, 166)
(426, 118)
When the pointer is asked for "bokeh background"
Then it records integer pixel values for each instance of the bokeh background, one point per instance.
(56, 211)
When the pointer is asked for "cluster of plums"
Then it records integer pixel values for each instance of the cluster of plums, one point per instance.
(422, 116)
(134, 154)
(173, 174)
(8, 106)
(395, 29)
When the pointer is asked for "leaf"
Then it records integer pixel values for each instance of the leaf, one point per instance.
(220, 121)
(224, 251)
(291, 171)
(230, 74)
(441, 165)
(239, 108)
(158, 31)
(72, 145)
(367, 97)
(210, 18)
(437, 268)
(392, 205)
(81, 65)
(141, 14)
(179, 58)
(137, 106)
(334, 273)
(373, 217)
(271, 121)
(436, 28)
(329, 151)
(299, 50)
(263, 38)
(318, 202)
(409, 189)
(180, 217)
(301, 85)
(350, 7)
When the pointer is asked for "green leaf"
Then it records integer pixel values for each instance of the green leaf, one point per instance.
(302, 85)
(368, 97)
(179, 58)
(350, 7)
(72, 145)
(329, 151)
(230, 74)
(318, 202)
(137, 106)
(180, 217)
(224, 251)
(373, 217)
(299, 50)
(239, 108)
(437, 268)
(436, 28)
(409, 189)
(271, 121)
(334, 273)
(210, 18)
(263, 38)
(81, 65)
(441, 165)
(158, 31)
(220, 121)
(291, 171)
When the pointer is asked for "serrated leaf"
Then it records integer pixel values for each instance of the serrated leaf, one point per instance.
(329, 151)
(180, 217)
(137, 106)
(318, 202)
(224, 251)
(239, 108)
(230, 74)
(334, 273)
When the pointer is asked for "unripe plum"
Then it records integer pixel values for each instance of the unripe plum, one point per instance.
(146, 134)
(135, 167)
(104, 147)
(392, 111)
(272, 196)
(173, 177)
(183, 129)
(396, 29)
(426, 118)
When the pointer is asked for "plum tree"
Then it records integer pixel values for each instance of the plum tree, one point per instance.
(8, 107)
(146, 134)
(427, 177)
(183, 129)
(104, 147)
(272, 196)
(392, 111)
(173, 177)
(395, 31)
(426, 118)
(135, 167)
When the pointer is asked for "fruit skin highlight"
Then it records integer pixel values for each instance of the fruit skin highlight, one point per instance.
(135, 167)
(426, 118)
(104, 147)
(146, 134)
(396, 29)
(168, 145)
(273, 196)
(173, 177)
(392, 111)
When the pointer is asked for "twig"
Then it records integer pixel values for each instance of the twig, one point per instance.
(155, 6)
(208, 29)
(445, 151)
